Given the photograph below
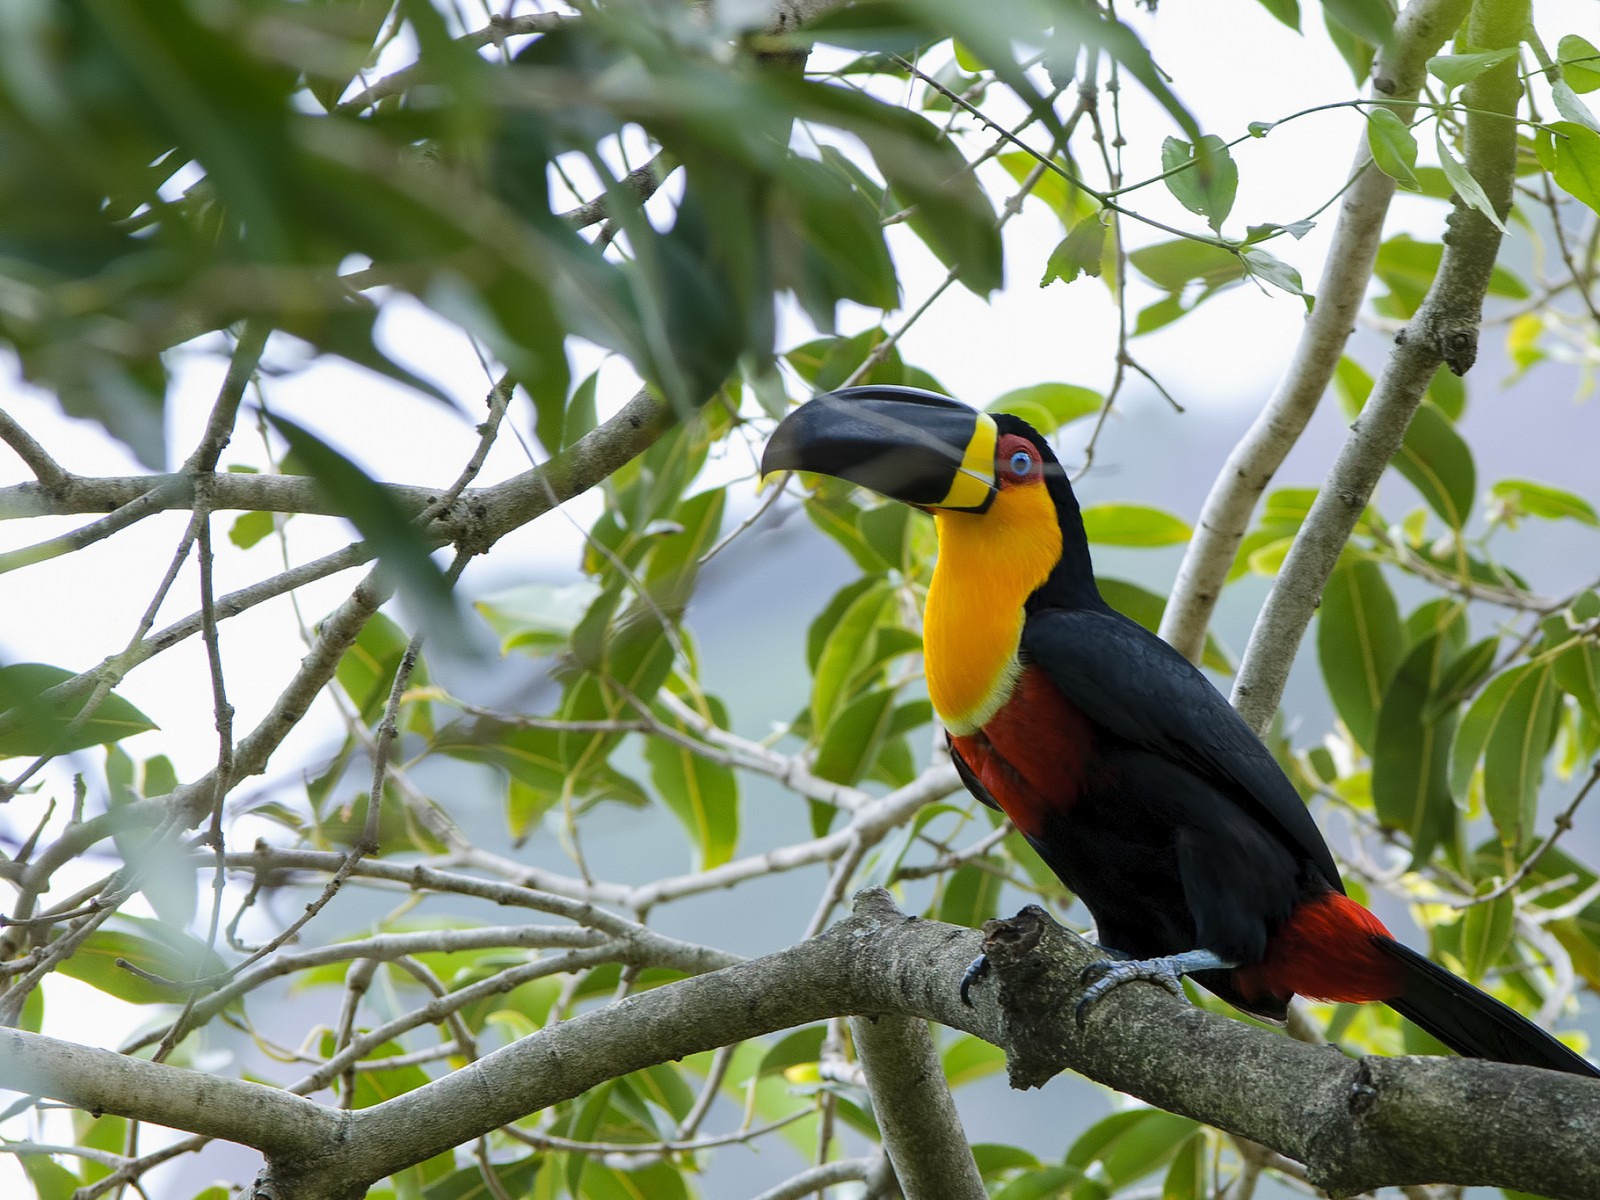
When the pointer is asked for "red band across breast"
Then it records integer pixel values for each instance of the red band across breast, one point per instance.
(1032, 753)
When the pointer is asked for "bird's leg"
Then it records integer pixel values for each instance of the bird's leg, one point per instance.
(1167, 972)
(978, 970)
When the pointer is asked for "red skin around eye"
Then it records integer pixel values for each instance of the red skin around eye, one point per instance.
(1007, 448)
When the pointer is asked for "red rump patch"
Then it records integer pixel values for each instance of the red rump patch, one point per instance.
(1325, 951)
(1032, 753)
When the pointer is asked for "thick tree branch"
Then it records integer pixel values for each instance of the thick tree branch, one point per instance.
(916, 1115)
(1444, 330)
(1356, 1124)
(269, 1119)
(1420, 30)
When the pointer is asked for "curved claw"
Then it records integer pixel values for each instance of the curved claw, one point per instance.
(976, 970)
(1102, 977)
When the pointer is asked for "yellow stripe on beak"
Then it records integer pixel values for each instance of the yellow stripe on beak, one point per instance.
(974, 481)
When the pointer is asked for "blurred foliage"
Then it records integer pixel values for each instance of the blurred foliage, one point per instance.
(646, 181)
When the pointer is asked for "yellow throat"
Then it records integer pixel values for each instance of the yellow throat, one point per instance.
(989, 564)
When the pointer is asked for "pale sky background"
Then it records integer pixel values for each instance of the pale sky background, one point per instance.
(1231, 63)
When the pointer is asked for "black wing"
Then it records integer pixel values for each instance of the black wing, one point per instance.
(974, 784)
(1141, 690)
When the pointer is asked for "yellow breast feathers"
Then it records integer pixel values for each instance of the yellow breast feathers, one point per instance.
(989, 564)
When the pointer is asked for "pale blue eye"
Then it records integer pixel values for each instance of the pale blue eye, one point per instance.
(1021, 463)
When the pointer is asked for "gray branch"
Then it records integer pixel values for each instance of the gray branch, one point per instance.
(1444, 330)
(916, 1115)
(269, 1119)
(1420, 30)
(476, 520)
(1356, 1124)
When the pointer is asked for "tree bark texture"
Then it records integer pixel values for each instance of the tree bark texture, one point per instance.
(1444, 330)
(1355, 1124)
(1420, 30)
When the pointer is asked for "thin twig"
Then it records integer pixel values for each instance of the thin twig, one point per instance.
(1563, 823)
(50, 474)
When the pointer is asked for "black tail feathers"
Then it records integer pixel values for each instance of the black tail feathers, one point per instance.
(1473, 1023)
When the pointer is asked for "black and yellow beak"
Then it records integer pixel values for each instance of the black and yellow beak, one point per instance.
(905, 443)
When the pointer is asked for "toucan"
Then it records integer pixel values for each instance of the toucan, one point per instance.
(1125, 769)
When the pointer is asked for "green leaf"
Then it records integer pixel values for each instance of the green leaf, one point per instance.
(970, 897)
(1265, 266)
(537, 618)
(674, 562)
(968, 1058)
(1577, 670)
(1205, 179)
(1159, 315)
(798, 1048)
(514, 1179)
(881, 26)
(1409, 268)
(558, 420)
(1436, 461)
(1577, 162)
(1580, 63)
(834, 511)
(852, 739)
(252, 527)
(826, 621)
(51, 1181)
(887, 529)
(1352, 385)
(1464, 184)
(1570, 107)
(1510, 726)
(925, 171)
(367, 670)
(1271, 229)
(659, 1181)
(838, 240)
(150, 945)
(385, 525)
(1486, 930)
(1050, 1183)
(1186, 1178)
(1463, 675)
(1171, 265)
(1360, 644)
(1518, 498)
(31, 725)
(1454, 70)
(1393, 147)
(1411, 753)
(844, 652)
(1449, 391)
(702, 794)
(1049, 406)
(1133, 525)
(1370, 20)
(1287, 11)
(1070, 203)
(1079, 253)
(994, 1159)
(662, 1087)
(1127, 1146)
(375, 1087)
